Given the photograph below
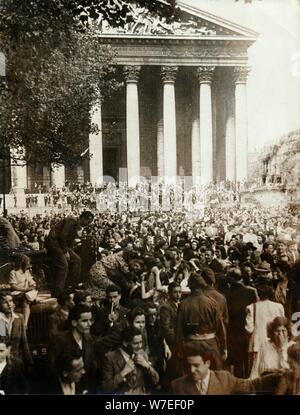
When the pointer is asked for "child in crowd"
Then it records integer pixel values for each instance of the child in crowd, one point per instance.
(23, 285)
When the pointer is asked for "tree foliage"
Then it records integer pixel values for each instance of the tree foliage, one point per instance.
(55, 70)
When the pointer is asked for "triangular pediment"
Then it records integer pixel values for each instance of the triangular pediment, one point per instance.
(192, 22)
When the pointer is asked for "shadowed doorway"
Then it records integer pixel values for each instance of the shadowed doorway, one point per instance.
(111, 162)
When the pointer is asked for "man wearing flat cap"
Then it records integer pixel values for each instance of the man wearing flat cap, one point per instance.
(199, 319)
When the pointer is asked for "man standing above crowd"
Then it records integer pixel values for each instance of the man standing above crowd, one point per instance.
(66, 263)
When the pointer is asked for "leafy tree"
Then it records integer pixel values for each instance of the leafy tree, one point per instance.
(55, 70)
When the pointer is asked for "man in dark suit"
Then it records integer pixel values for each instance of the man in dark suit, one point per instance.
(66, 378)
(168, 313)
(59, 318)
(109, 322)
(128, 370)
(168, 318)
(59, 244)
(238, 298)
(211, 262)
(77, 338)
(200, 380)
(12, 376)
(12, 327)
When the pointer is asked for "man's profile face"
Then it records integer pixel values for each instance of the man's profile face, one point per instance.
(4, 352)
(77, 371)
(197, 368)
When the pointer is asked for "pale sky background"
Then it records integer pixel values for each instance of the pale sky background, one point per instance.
(274, 81)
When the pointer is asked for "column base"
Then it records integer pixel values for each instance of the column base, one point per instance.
(20, 198)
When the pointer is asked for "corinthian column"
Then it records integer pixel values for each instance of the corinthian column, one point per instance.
(95, 146)
(168, 74)
(196, 166)
(205, 76)
(160, 135)
(230, 150)
(241, 124)
(132, 124)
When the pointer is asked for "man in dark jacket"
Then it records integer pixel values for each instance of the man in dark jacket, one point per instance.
(128, 370)
(66, 378)
(12, 376)
(200, 380)
(109, 322)
(238, 298)
(199, 319)
(168, 318)
(77, 338)
(59, 243)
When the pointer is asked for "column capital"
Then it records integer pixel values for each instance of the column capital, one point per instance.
(205, 74)
(240, 74)
(132, 73)
(169, 73)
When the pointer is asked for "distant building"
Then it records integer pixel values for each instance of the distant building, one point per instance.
(274, 173)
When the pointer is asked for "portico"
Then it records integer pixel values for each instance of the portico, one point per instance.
(185, 94)
(183, 108)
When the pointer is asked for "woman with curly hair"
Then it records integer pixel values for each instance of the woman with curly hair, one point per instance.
(272, 354)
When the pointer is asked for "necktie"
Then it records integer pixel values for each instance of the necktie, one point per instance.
(201, 387)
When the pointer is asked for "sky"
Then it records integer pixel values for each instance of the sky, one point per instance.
(273, 89)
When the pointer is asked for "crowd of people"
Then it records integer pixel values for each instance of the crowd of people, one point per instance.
(145, 195)
(73, 196)
(157, 302)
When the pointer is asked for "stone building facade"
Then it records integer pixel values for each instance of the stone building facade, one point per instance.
(182, 110)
